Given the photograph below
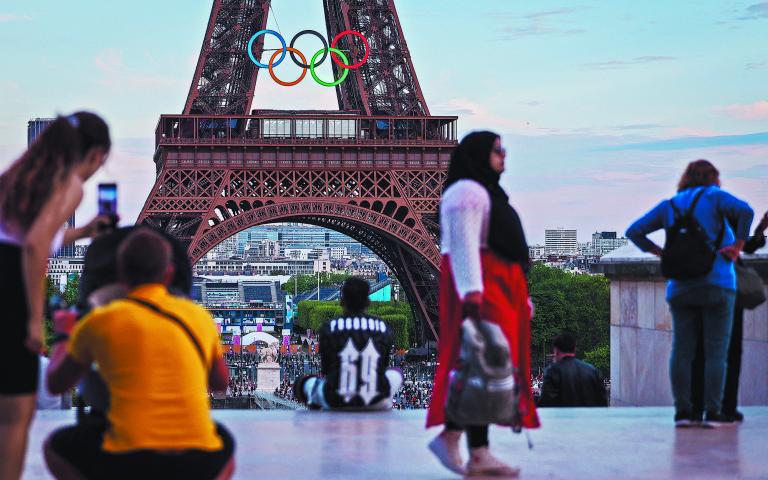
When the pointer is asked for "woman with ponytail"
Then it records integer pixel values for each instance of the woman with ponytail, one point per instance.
(38, 193)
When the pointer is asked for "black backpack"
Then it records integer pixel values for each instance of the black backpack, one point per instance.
(688, 253)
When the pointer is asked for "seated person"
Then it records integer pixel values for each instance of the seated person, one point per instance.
(158, 355)
(569, 382)
(354, 356)
(99, 285)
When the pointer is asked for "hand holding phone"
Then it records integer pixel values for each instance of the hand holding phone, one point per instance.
(108, 202)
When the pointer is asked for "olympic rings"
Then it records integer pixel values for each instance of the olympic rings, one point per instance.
(365, 42)
(253, 39)
(343, 75)
(285, 49)
(272, 72)
(311, 32)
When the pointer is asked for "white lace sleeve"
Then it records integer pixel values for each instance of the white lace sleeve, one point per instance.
(465, 207)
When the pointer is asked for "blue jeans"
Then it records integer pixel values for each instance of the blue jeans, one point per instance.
(709, 309)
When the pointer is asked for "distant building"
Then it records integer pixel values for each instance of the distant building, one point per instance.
(322, 265)
(337, 253)
(604, 243)
(299, 253)
(264, 249)
(586, 249)
(536, 252)
(60, 269)
(368, 270)
(225, 249)
(247, 303)
(560, 242)
(238, 266)
(34, 128)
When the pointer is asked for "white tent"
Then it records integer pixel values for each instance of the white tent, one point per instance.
(253, 337)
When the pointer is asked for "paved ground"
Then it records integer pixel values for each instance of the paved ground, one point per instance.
(614, 443)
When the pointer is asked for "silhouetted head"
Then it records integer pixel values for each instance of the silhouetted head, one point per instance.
(144, 257)
(478, 157)
(78, 143)
(564, 344)
(700, 173)
(354, 295)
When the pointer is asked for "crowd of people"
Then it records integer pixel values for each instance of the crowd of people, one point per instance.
(240, 385)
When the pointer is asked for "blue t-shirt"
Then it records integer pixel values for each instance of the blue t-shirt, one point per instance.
(715, 205)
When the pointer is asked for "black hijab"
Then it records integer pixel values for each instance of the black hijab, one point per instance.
(471, 160)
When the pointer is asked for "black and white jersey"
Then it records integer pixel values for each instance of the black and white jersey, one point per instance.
(354, 352)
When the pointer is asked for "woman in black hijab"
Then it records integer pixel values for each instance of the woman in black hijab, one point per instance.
(485, 257)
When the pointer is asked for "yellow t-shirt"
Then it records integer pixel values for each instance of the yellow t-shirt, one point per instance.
(157, 382)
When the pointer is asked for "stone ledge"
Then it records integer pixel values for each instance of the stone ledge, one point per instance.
(599, 443)
(629, 263)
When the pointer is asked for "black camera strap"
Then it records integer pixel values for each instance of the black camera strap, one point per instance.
(174, 319)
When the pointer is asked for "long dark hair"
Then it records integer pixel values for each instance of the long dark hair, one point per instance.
(47, 163)
(699, 173)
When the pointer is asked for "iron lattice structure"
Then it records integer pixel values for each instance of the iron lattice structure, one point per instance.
(372, 170)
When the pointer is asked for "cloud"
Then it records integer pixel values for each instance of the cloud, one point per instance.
(550, 13)
(12, 17)
(116, 75)
(640, 126)
(538, 29)
(474, 115)
(750, 111)
(756, 11)
(685, 143)
(756, 65)
(457, 106)
(539, 23)
(615, 64)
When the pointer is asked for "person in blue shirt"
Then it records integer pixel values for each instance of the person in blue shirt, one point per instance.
(706, 302)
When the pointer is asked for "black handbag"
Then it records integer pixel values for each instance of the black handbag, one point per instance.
(750, 290)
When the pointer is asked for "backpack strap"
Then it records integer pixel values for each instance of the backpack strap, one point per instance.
(174, 319)
(695, 202)
(675, 209)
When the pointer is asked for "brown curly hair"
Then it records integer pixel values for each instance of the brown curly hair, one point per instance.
(30, 180)
(699, 173)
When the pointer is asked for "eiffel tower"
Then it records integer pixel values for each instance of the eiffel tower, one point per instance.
(372, 170)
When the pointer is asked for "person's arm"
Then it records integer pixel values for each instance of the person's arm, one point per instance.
(757, 240)
(464, 216)
(648, 223)
(70, 357)
(37, 245)
(550, 388)
(71, 235)
(464, 219)
(732, 207)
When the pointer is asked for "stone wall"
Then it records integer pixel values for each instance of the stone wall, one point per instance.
(641, 333)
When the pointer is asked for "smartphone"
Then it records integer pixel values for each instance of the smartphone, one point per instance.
(107, 199)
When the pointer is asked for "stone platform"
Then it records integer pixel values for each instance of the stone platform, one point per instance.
(612, 443)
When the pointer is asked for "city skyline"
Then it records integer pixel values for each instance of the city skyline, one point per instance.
(600, 106)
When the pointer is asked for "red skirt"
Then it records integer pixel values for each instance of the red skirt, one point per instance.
(505, 302)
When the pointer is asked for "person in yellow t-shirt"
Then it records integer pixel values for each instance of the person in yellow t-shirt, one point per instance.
(158, 354)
